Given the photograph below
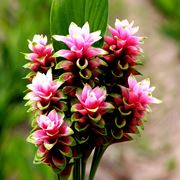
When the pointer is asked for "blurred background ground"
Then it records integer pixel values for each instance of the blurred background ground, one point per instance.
(155, 155)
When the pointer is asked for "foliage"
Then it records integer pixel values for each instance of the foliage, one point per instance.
(18, 20)
(171, 9)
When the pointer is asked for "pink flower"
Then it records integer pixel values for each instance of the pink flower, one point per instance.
(92, 101)
(79, 41)
(141, 92)
(132, 105)
(50, 127)
(43, 88)
(51, 123)
(54, 141)
(125, 31)
(41, 52)
(123, 42)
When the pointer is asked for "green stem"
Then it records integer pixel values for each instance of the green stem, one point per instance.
(83, 168)
(58, 176)
(76, 170)
(99, 151)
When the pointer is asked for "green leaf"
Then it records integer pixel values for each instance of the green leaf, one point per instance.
(63, 12)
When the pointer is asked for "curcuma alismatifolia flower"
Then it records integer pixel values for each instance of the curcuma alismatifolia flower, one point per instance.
(52, 136)
(79, 41)
(41, 56)
(132, 104)
(82, 60)
(123, 44)
(88, 111)
(92, 101)
(44, 92)
(123, 49)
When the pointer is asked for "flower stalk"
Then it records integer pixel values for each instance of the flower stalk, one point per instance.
(77, 169)
(83, 168)
(98, 153)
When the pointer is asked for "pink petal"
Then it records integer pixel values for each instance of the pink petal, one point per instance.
(60, 38)
(39, 136)
(95, 36)
(100, 92)
(65, 53)
(132, 82)
(92, 52)
(113, 31)
(85, 30)
(91, 101)
(87, 88)
(109, 40)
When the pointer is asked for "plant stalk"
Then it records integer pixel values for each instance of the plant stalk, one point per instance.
(76, 170)
(98, 153)
(83, 168)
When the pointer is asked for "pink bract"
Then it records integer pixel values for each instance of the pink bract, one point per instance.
(50, 123)
(79, 41)
(92, 100)
(50, 128)
(43, 88)
(123, 41)
(140, 92)
(41, 52)
(124, 30)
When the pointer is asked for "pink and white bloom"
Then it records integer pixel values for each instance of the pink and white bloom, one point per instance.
(132, 104)
(38, 43)
(41, 52)
(43, 88)
(123, 41)
(50, 128)
(92, 101)
(124, 30)
(51, 123)
(80, 42)
(139, 94)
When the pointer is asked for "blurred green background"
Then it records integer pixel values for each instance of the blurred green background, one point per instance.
(19, 21)
(171, 10)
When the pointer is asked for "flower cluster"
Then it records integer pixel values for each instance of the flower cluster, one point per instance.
(41, 56)
(53, 138)
(85, 97)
